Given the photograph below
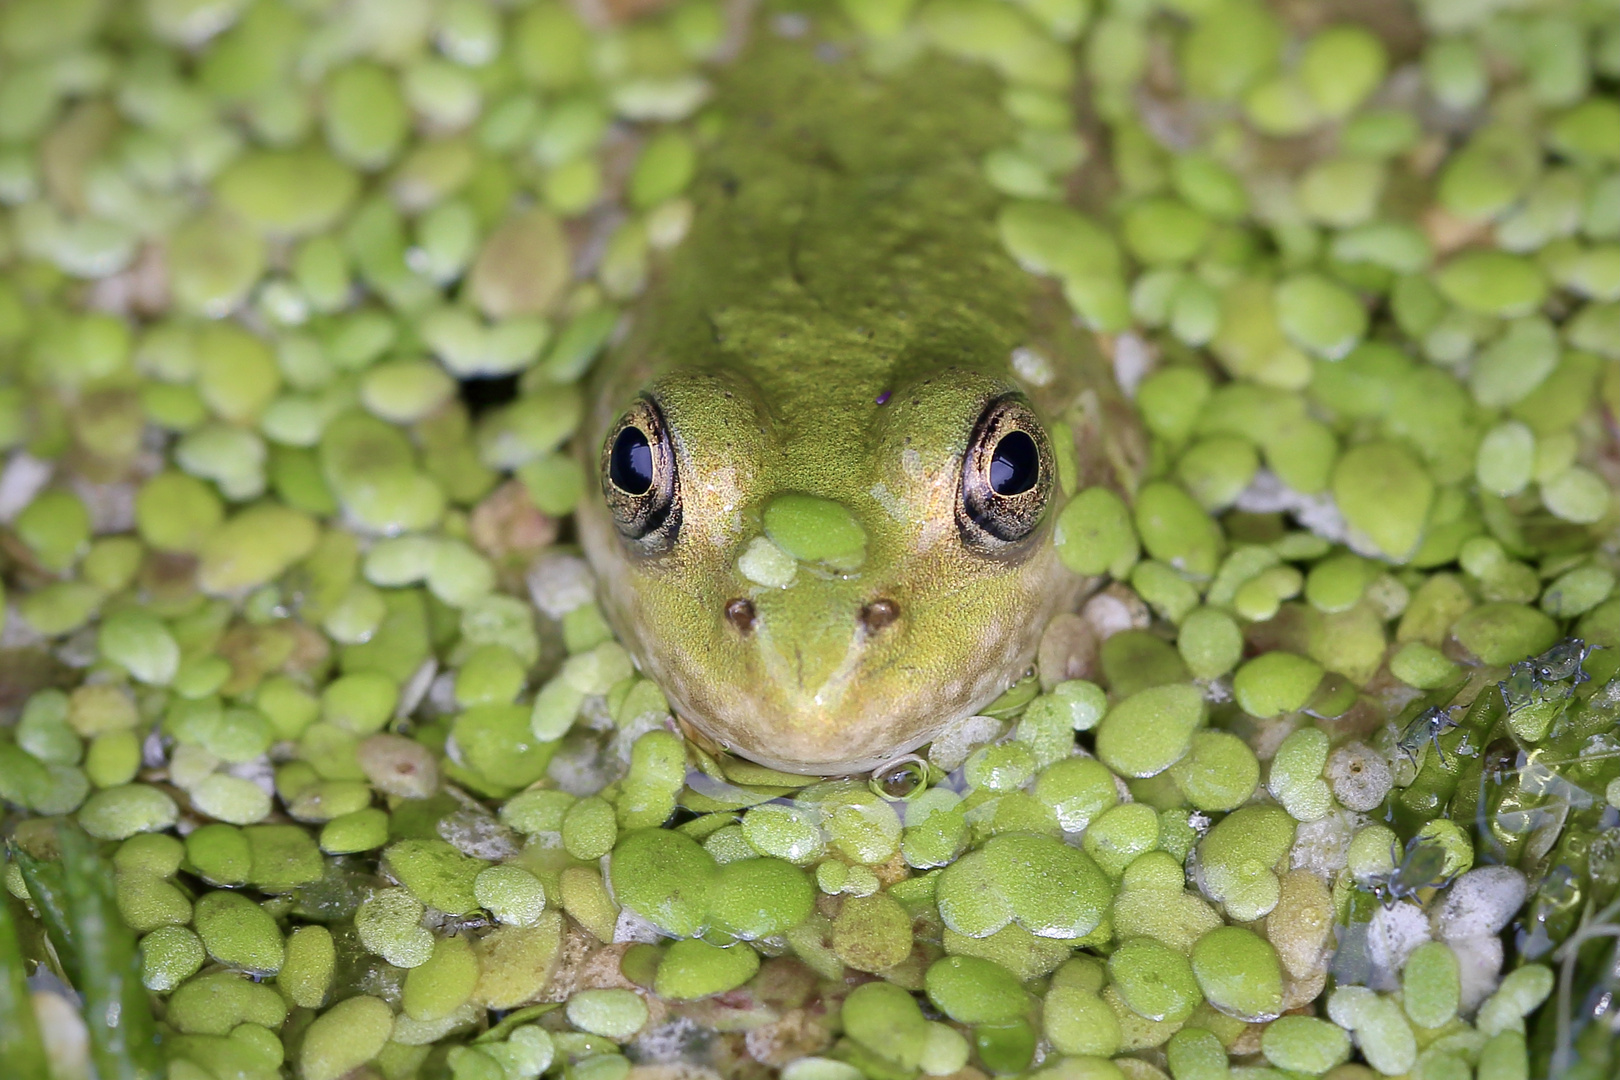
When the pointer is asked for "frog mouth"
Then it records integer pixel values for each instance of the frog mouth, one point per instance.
(811, 696)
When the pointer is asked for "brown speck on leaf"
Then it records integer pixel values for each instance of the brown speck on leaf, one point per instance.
(508, 527)
(799, 1033)
(522, 267)
(67, 150)
(311, 649)
(1068, 650)
(586, 964)
(1448, 233)
(785, 982)
(1248, 1041)
(22, 566)
(168, 576)
(25, 671)
(892, 871)
(398, 766)
(602, 969)
(254, 652)
(1426, 157)
(1395, 21)
(107, 427)
(1299, 994)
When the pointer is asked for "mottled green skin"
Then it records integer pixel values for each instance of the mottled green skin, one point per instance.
(844, 245)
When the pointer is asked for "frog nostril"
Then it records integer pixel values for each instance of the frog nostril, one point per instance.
(878, 614)
(740, 613)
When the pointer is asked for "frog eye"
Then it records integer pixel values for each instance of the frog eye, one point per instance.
(1006, 477)
(638, 478)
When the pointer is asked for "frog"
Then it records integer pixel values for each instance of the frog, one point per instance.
(841, 349)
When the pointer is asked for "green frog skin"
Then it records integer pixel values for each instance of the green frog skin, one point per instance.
(838, 324)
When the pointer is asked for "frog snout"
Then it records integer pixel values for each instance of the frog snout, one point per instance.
(873, 617)
(811, 644)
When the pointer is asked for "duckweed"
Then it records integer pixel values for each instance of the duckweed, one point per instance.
(511, 894)
(388, 924)
(815, 530)
(1094, 533)
(1154, 980)
(974, 991)
(617, 1014)
(1304, 1044)
(871, 932)
(306, 972)
(1151, 730)
(755, 898)
(439, 987)
(1118, 836)
(1276, 683)
(1237, 858)
(238, 933)
(347, 1035)
(1219, 772)
(1238, 973)
(169, 956)
(692, 968)
(666, 878)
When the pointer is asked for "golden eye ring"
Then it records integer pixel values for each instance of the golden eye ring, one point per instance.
(640, 481)
(1006, 477)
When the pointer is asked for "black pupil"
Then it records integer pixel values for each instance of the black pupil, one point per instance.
(1015, 465)
(630, 466)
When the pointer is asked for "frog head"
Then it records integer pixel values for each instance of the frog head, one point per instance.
(823, 587)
